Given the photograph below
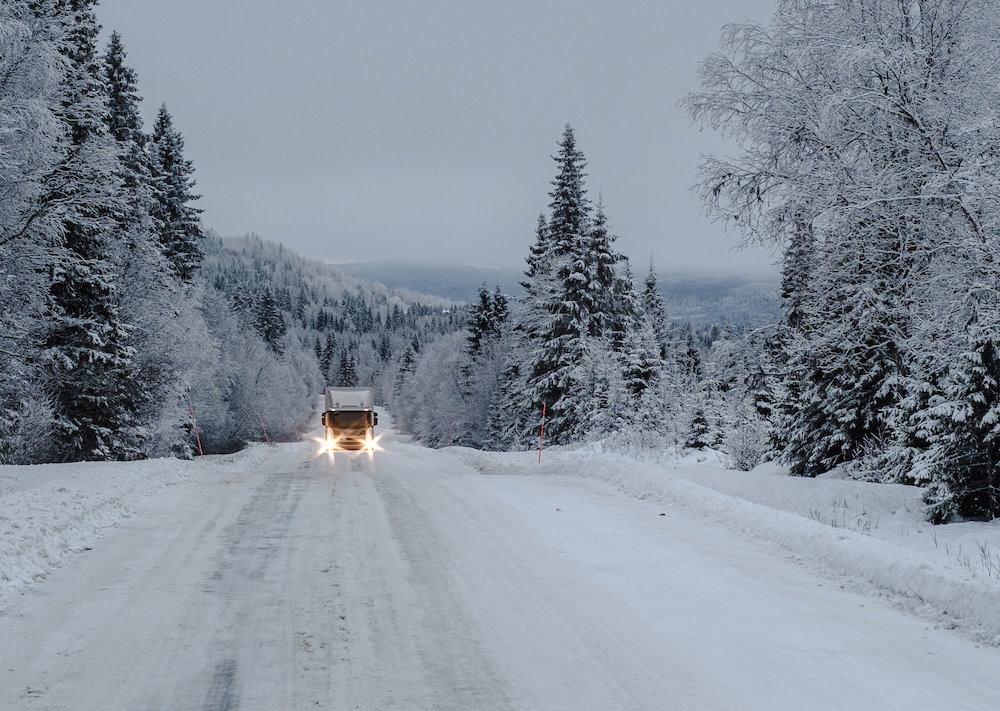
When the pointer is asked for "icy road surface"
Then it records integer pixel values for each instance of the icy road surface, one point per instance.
(413, 582)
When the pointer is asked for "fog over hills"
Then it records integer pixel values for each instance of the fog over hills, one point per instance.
(699, 299)
(460, 283)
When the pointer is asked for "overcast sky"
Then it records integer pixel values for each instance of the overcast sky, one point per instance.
(424, 130)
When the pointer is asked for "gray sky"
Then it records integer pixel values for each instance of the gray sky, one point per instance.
(423, 130)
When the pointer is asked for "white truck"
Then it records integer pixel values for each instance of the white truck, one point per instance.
(350, 418)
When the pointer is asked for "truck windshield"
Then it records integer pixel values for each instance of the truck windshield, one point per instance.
(350, 420)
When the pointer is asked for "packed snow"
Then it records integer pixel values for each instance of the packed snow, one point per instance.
(51, 511)
(420, 578)
(874, 535)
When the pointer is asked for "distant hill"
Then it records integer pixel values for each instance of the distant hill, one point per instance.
(698, 299)
(719, 299)
(453, 282)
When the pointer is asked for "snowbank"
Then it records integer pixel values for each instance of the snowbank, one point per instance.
(871, 533)
(50, 511)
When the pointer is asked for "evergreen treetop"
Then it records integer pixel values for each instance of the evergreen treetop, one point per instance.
(656, 310)
(181, 230)
(125, 123)
(569, 218)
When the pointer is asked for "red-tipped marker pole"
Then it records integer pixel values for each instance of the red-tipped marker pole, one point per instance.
(541, 435)
(264, 428)
(196, 435)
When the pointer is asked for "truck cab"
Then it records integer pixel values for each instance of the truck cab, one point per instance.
(350, 418)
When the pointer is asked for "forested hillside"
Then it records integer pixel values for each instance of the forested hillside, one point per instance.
(125, 330)
(345, 331)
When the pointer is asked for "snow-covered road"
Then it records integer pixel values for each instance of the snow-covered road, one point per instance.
(415, 582)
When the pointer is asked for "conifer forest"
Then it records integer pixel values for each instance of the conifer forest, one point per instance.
(867, 154)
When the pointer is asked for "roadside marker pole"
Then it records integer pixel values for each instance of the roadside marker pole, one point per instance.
(263, 427)
(541, 435)
(197, 437)
(451, 435)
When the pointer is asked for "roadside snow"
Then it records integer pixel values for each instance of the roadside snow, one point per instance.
(873, 534)
(51, 511)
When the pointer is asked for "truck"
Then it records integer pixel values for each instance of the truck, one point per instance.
(350, 418)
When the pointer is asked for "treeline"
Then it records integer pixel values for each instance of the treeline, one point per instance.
(346, 332)
(98, 246)
(123, 327)
(885, 361)
(869, 154)
(592, 350)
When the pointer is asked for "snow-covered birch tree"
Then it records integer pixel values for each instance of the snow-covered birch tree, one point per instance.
(868, 150)
(31, 71)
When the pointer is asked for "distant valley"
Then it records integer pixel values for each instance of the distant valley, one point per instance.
(695, 298)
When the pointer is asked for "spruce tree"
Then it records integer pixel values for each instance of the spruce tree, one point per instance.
(641, 354)
(848, 355)
(499, 312)
(699, 433)
(482, 370)
(579, 299)
(607, 297)
(689, 357)
(347, 376)
(406, 365)
(385, 347)
(539, 256)
(656, 310)
(487, 319)
(180, 230)
(124, 120)
(85, 345)
(961, 424)
(569, 220)
(480, 321)
(790, 340)
(149, 291)
(136, 222)
(268, 320)
(557, 305)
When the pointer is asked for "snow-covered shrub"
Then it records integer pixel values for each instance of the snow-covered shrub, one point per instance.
(747, 440)
(430, 401)
(28, 430)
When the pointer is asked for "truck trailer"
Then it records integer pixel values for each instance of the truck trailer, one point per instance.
(350, 418)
